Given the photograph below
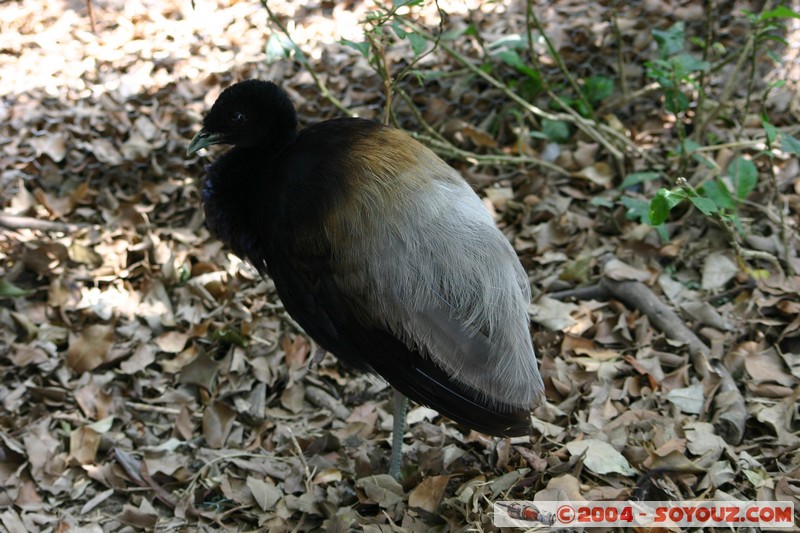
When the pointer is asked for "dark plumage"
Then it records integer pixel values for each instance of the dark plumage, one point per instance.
(379, 250)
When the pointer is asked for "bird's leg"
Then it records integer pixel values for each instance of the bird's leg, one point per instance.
(398, 428)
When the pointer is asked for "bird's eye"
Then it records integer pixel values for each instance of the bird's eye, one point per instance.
(237, 118)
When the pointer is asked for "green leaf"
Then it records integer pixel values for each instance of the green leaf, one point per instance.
(398, 30)
(418, 43)
(659, 208)
(718, 193)
(789, 144)
(600, 201)
(362, 47)
(780, 12)
(637, 209)
(278, 47)
(230, 336)
(530, 87)
(675, 101)
(662, 204)
(706, 205)
(598, 88)
(556, 130)
(772, 131)
(637, 178)
(687, 63)
(744, 174)
(512, 59)
(451, 35)
(670, 41)
(9, 290)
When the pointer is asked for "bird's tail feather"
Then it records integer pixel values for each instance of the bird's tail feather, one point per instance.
(422, 380)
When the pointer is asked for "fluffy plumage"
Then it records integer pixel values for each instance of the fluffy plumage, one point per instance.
(380, 251)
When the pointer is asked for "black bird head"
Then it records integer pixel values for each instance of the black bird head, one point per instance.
(249, 113)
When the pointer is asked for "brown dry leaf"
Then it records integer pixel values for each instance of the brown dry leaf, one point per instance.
(91, 348)
(552, 314)
(297, 350)
(90, 505)
(480, 138)
(428, 494)
(292, 397)
(218, 419)
(561, 488)
(327, 475)
(586, 154)
(172, 341)
(52, 145)
(382, 489)
(617, 270)
(767, 366)
(718, 270)
(93, 401)
(184, 424)
(25, 354)
(143, 356)
(265, 493)
(22, 201)
(599, 173)
(600, 457)
(140, 518)
(83, 445)
(200, 371)
(779, 416)
(703, 442)
(104, 150)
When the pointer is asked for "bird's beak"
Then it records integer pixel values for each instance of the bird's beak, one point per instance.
(203, 139)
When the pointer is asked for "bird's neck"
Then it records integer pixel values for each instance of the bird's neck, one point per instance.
(237, 199)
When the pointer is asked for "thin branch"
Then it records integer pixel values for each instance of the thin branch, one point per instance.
(300, 56)
(531, 15)
(447, 149)
(587, 126)
(19, 222)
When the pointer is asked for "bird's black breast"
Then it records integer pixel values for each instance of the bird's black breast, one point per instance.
(266, 203)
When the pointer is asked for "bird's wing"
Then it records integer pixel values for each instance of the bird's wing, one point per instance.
(313, 297)
(436, 272)
(387, 258)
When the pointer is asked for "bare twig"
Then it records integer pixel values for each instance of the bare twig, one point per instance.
(308, 474)
(730, 412)
(531, 16)
(447, 149)
(137, 473)
(19, 222)
(90, 10)
(591, 292)
(589, 127)
(300, 56)
(623, 82)
(637, 295)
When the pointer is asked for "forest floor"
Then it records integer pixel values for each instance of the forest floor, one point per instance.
(151, 380)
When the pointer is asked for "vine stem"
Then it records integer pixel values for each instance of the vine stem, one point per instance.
(304, 61)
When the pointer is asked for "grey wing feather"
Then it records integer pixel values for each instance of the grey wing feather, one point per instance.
(446, 281)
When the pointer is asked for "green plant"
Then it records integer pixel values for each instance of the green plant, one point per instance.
(719, 196)
(676, 71)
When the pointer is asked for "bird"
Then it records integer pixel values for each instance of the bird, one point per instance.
(380, 251)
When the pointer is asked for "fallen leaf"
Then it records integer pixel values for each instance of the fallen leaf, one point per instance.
(428, 494)
(218, 419)
(600, 457)
(90, 348)
(718, 270)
